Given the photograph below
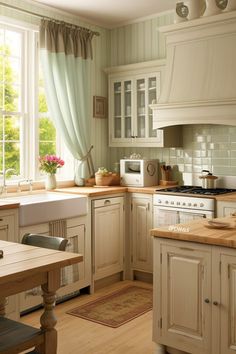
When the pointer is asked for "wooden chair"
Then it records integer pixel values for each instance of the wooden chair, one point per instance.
(16, 337)
(56, 243)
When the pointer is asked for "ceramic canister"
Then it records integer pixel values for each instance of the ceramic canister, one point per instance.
(181, 12)
(231, 5)
(211, 8)
(194, 9)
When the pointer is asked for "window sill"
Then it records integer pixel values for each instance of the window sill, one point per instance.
(37, 185)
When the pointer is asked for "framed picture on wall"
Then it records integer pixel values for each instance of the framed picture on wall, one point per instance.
(99, 107)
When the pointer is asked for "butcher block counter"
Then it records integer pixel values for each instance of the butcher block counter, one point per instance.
(100, 191)
(4, 204)
(199, 231)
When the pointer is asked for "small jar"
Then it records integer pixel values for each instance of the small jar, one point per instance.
(194, 8)
(231, 5)
(211, 8)
(181, 12)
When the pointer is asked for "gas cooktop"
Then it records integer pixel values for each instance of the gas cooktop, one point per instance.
(196, 190)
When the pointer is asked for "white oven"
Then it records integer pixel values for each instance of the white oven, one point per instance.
(172, 209)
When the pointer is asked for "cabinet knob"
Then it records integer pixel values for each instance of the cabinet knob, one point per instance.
(207, 301)
(215, 303)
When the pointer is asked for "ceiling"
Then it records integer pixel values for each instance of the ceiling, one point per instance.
(111, 13)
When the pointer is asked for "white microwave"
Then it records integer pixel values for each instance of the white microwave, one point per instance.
(138, 173)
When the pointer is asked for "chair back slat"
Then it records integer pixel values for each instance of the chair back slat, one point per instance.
(52, 242)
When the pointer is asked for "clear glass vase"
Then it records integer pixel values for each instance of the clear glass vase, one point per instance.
(50, 182)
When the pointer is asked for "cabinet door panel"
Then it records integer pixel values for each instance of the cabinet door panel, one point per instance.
(225, 208)
(108, 240)
(142, 242)
(228, 304)
(185, 284)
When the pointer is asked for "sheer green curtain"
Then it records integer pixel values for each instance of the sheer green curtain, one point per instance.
(65, 53)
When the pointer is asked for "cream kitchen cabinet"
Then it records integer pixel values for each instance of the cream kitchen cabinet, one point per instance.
(132, 88)
(73, 278)
(194, 297)
(108, 236)
(225, 208)
(9, 232)
(141, 223)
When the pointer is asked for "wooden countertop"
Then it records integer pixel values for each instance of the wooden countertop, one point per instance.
(97, 191)
(93, 191)
(229, 197)
(8, 205)
(196, 231)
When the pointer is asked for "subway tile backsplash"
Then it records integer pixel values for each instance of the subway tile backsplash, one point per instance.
(211, 147)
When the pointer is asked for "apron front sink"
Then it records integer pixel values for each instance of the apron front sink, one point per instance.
(48, 206)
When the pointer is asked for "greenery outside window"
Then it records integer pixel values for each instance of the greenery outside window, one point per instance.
(26, 128)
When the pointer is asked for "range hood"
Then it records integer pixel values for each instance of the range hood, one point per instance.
(200, 74)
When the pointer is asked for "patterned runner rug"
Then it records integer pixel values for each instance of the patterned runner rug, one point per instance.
(116, 308)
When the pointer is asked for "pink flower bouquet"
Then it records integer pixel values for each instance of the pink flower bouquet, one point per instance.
(50, 163)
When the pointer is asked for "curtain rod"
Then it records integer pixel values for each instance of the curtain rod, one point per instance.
(46, 17)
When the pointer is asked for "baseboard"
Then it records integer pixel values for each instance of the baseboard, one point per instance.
(112, 279)
(143, 276)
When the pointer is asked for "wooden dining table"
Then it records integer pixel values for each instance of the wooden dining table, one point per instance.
(23, 267)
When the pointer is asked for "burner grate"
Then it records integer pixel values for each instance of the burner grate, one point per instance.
(197, 190)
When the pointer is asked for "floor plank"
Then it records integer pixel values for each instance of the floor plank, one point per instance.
(79, 336)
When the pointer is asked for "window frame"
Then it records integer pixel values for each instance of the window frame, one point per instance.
(29, 134)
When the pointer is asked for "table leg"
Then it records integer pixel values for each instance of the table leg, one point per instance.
(48, 319)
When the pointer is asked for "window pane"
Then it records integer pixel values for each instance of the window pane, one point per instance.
(42, 101)
(14, 66)
(13, 43)
(12, 97)
(1, 128)
(1, 39)
(47, 131)
(47, 148)
(12, 128)
(12, 156)
(1, 93)
(1, 162)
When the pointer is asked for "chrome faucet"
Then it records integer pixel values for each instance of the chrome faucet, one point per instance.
(4, 174)
(26, 181)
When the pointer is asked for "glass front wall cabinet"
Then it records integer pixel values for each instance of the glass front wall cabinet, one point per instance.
(130, 114)
(132, 89)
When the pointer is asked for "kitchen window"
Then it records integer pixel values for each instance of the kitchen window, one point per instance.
(26, 128)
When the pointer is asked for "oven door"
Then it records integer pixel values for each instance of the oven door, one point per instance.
(164, 216)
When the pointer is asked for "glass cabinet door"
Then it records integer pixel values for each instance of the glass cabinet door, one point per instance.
(122, 109)
(141, 108)
(117, 110)
(128, 109)
(153, 94)
(130, 113)
(147, 91)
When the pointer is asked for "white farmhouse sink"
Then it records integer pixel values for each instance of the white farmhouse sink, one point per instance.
(48, 206)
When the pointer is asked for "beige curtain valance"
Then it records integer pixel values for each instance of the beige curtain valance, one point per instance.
(60, 38)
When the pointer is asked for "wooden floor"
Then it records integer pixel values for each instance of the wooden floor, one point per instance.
(79, 336)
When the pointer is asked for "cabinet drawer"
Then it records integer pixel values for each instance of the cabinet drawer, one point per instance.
(5, 220)
(107, 201)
